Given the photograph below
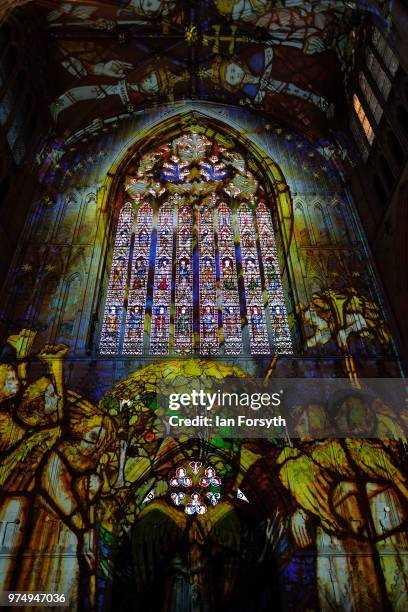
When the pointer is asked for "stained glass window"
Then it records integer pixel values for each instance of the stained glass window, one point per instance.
(194, 266)
(183, 328)
(362, 117)
(389, 58)
(207, 295)
(160, 334)
(258, 331)
(277, 307)
(370, 98)
(382, 80)
(117, 282)
(229, 281)
(193, 487)
(135, 315)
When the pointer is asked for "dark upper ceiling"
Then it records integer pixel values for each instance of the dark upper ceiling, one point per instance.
(287, 58)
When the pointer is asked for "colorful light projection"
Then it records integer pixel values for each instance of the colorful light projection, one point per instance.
(290, 58)
(76, 473)
(277, 308)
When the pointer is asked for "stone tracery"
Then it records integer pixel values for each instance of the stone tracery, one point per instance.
(194, 201)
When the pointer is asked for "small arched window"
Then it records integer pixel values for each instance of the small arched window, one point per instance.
(195, 267)
(382, 79)
(370, 98)
(362, 117)
(388, 56)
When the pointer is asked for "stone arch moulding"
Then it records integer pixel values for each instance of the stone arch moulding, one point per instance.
(269, 174)
(272, 176)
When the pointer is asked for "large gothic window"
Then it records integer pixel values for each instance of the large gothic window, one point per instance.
(194, 266)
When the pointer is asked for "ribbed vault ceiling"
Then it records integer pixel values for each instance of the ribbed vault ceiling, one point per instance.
(291, 60)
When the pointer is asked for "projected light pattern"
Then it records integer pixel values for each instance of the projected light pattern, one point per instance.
(277, 307)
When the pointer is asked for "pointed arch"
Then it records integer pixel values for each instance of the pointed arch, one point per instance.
(192, 163)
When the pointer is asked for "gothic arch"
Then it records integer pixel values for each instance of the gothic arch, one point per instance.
(272, 175)
(274, 188)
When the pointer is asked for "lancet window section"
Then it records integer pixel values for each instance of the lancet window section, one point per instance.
(183, 323)
(231, 316)
(135, 317)
(160, 332)
(209, 341)
(257, 324)
(117, 283)
(277, 307)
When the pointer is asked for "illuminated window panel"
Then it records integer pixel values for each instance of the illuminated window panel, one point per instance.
(258, 331)
(370, 98)
(160, 330)
(382, 80)
(167, 294)
(362, 117)
(231, 317)
(134, 331)
(388, 56)
(209, 341)
(110, 337)
(277, 307)
(183, 321)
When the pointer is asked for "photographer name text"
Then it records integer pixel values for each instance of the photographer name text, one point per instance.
(218, 421)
